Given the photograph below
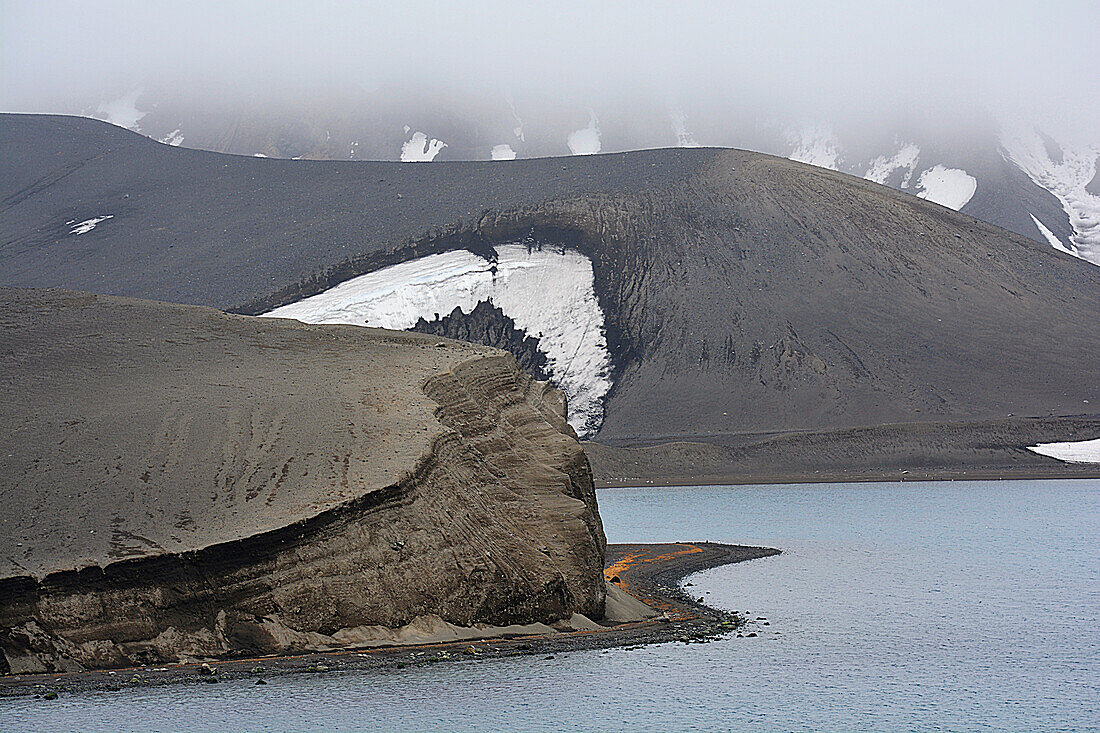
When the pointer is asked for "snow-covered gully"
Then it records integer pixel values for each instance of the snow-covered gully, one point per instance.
(548, 292)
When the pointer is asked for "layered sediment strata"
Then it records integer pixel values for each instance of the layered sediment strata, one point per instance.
(181, 483)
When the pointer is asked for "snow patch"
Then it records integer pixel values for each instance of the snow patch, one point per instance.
(258, 155)
(122, 111)
(88, 224)
(1082, 451)
(950, 187)
(684, 139)
(1066, 180)
(1051, 237)
(518, 129)
(419, 149)
(815, 145)
(174, 138)
(586, 141)
(502, 152)
(548, 293)
(883, 167)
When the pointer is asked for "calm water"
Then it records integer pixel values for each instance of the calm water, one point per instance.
(895, 607)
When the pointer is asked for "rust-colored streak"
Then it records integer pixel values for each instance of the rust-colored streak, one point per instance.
(623, 569)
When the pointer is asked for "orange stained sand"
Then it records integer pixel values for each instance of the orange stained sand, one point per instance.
(674, 611)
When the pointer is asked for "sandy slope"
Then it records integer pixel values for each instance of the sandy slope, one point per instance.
(179, 483)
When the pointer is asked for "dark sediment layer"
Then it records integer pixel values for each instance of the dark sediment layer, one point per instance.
(742, 294)
(993, 449)
(180, 483)
(652, 572)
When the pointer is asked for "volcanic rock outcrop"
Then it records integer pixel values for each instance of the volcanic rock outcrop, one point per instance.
(181, 483)
(745, 297)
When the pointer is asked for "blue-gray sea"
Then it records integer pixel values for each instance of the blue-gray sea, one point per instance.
(965, 606)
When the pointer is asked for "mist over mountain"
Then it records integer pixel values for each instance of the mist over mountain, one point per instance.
(984, 109)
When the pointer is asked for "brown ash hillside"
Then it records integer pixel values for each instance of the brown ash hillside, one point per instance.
(181, 483)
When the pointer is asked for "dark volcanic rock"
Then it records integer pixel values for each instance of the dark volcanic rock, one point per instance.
(487, 325)
(183, 483)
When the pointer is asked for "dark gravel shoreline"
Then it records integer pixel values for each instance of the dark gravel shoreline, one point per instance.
(650, 572)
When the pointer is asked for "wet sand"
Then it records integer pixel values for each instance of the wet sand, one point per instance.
(651, 573)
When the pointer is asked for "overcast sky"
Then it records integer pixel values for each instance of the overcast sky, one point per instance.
(1037, 59)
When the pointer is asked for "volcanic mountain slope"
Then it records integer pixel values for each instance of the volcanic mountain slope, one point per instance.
(1005, 173)
(183, 483)
(739, 294)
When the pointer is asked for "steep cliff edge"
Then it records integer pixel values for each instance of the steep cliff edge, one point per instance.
(181, 483)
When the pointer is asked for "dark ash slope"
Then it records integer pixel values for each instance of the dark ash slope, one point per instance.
(743, 293)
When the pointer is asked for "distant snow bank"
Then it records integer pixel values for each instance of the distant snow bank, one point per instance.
(684, 138)
(1083, 451)
(882, 167)
(586, 141)
(502, 152)
(816, 145)
(1066, 180)
(1051, 237)
(419, 149)
(950, 187)
(548, 293)
(122, 111)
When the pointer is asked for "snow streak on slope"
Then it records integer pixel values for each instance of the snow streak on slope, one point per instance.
(419, 149)
(950, 187)
(1050, 236)
(1066, 180)
(548, 293)
(502, 152)
(882, 167)
(586, 141)
(1082, 451)
(88, 224)
(815, 145)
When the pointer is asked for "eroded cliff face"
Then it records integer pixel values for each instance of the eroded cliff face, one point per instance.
(494, 523)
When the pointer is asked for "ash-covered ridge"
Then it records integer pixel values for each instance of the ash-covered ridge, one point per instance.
(242, 486)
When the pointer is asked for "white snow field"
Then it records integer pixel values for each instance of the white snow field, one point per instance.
(882, 167)
(88, 224)
(1066, 181)
(1082, 451)
(548, 293)
(502, 152)
(815, 145)
(950, 187)
(419, 149)
(586, 141)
